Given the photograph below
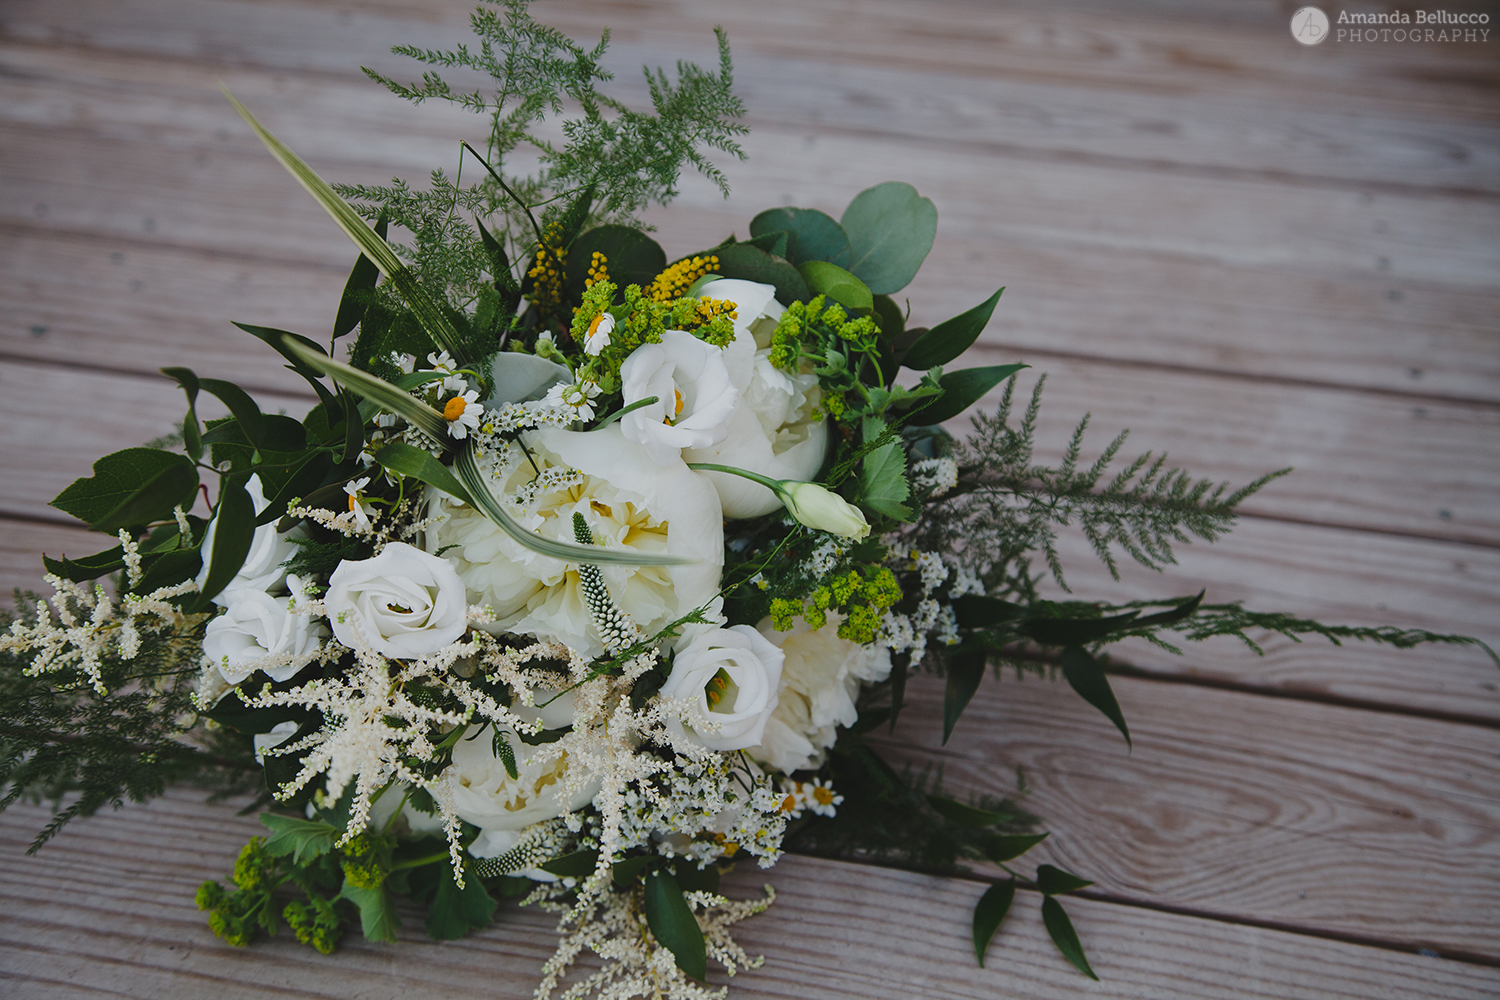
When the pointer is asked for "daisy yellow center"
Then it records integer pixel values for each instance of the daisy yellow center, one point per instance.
(594, 324)
(823, 795)
(788, 804)
(351, 501)
(455, 408)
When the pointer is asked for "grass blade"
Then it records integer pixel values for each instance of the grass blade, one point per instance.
(378, 391)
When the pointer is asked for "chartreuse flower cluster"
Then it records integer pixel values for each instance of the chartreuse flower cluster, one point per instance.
(577, 587)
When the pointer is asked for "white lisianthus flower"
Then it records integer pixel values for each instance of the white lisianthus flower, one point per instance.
(261, 632)
(486, 795)
(820, 679)
(821, 508)
(694, 395)
(404, 603)
(600, 328)
(627, 500)
(269, 549)
(733, 675)
(772, 430)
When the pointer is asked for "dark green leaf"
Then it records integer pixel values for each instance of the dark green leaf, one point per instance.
(811, 234)
(1008, 847)
(691, 878)
(672, 921)
(275, 338)
(455, 912)
(989, 912)
(377, 915)
(1064, 936)
(168, 569)
(1073, 631)
(900, 665)
(956, 812)
(890, 229)
(950, 338)
(1050, 881)
(1087, 678)
(965, 671)
(304, 479)
(631, 257)
(579, 864)
(234, 530)
(773, 243)
(192, 434)
(974, 611)
(354, 426)
(628, 870)
(892, 320)
(245, 411)
(407, 460)
(837, 284)
(961, 390)
(131, 488)
(1177, 614)
(357, 289)
(303, 839)
(89, 567)
(882, 477)
(544, 736)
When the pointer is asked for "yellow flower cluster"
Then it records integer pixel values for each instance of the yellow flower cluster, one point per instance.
(676, 280)
(598, 270)
(547, 272)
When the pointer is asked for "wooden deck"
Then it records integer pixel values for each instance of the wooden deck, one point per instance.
(1251, 253)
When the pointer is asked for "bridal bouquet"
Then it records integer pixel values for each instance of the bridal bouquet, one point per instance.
(594, 566)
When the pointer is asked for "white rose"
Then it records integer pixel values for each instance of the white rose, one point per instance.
(261, 632)
(486, 795)
(629, 502)
(820, 679)
(772, 430)
(733, 675)
(269, 549)
(404, 603)
(694, 395)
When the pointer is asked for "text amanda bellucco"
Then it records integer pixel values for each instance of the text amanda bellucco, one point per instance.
(1417, 26)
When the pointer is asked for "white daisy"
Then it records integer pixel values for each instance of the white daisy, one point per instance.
(820, 797)
(579, 397)
(598, 336)
(442, 362)
(356, 502)
(463, 414)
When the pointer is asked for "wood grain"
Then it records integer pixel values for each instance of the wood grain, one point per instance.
(1237, 804)
(106, 910)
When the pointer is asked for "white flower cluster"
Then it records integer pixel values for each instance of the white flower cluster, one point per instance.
(936, 474)
(706, 810)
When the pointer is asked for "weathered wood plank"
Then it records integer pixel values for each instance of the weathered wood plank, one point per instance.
(1363, 823)
(22, 544)
(107, 910)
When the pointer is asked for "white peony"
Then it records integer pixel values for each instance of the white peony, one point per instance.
(269, 549)
(820, 679)
(404, 603)
(772, 430)
(694, 395)
(486, 795)
(261, 632)
(733, 675)
(628, 501)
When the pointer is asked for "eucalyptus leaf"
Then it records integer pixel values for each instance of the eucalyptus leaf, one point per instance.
(890, 229)
(474, 481)
(741, 260)
(989, 912)
(965, 671)
(811, 234)
(1086, 676)
(1060, 928)
(837, 284)
(950, 338)
(672, 922)
(962, 389)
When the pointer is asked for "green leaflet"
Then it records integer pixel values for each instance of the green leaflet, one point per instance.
(455, 912)
(1051, 881)
(962, 389)
(957, 812)
(672, 921)
(837, 284)
(1064, 936)
(882, 476)
(950, 338)
(1012, 846)
(234, 530)
(303, 839)
(890, 229)
(470, 476)
(400, 457)
(377, 914)
(1087, 678)
(965, 671)
(989, 912)
(427, 311)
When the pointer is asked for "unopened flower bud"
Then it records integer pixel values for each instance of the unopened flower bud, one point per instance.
(820, 508)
